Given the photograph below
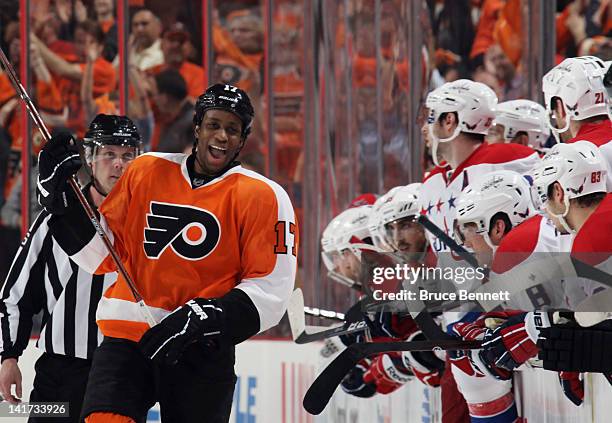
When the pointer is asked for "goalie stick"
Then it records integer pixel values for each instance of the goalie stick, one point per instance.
(35, 115)
(299, 330)
(322, 389)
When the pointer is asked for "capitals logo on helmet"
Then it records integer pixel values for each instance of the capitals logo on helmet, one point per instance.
(228, 98)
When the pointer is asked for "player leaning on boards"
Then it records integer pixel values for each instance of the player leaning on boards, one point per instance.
(212, 249)
(44, 278)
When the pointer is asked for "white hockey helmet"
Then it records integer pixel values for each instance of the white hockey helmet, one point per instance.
(578, 167)
(578, 82)
(347, 231)
(473, 102)
(377, 232)
(523, 116)
(404, 204)
(503, 191)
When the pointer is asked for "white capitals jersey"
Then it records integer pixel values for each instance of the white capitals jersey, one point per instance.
(525, 264)
(441, 188)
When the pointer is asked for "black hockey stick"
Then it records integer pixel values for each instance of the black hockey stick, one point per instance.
(441, 235)
(416, 308)
(322, 389)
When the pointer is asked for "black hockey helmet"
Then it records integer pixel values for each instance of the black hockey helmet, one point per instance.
(229, 98)
(111, 130)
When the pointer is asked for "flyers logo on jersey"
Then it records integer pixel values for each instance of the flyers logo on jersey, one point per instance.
(192, 233)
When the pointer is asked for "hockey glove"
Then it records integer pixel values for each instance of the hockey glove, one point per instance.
(353, 383)
(391, 325)
(425, 365)
(509, 344)
(388, 372)
(58, 160)
(198, 319)
(574, 348)
(573, 386)
(476, 362)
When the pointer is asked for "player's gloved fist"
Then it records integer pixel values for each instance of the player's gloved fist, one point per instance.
(198, 319)
(425, 365)
(353, 383)
(390, 325)
(571, 347)
(388, 372)
(479, 360)
(58, 160)
(508, 345)
(573, 386)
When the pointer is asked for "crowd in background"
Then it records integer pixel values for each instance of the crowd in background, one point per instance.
(74, 76)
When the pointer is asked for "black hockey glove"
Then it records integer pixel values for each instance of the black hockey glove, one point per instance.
(198, 319)
(58, 160)
(353, 383)
(574, 348)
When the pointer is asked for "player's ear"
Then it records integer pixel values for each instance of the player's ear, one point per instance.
(558, 193)
(450, 120)
(497, 232)
(196, 132)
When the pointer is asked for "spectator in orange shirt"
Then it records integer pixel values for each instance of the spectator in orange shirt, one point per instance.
(173, 44)
(105, 16)
(240, 52)
(490, 12)
(69, 75)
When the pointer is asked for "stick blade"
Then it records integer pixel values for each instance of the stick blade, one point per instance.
(322, 389)
(295, 313)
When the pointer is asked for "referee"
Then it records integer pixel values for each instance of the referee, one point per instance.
(43, 278)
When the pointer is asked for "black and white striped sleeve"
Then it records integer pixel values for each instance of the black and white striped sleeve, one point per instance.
(23, 292)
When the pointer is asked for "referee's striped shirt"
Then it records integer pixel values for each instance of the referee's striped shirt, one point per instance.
(43, 278)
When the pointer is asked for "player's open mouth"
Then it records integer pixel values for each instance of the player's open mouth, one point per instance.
(217, 153)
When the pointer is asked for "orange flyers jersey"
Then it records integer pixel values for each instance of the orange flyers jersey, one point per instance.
(178, 242)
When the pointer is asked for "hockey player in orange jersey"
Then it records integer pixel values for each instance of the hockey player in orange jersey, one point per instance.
(212, 248)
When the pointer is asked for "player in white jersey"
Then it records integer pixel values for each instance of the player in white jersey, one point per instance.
(461, 114)
(570, 186)
(578, 104)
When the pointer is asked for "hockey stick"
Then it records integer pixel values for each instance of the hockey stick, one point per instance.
(417, 308)
(454, 247)
(146, 313)
(299, 330)
(322, 389)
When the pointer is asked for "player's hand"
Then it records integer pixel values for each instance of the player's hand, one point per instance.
(391, 325)
(353, 383)
(573, 386)
(388, 372)
(425, 365)
(198, 319)
(509, 345)
(58, 160)
(10, 375)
